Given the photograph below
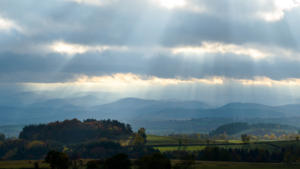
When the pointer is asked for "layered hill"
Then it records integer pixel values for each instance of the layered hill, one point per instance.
(257, 129)
(160, 116)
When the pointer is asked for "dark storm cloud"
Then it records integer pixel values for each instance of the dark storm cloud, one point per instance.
(31, 68)
(165, 66)
(57, 68)
(135, 22)
(208, 28)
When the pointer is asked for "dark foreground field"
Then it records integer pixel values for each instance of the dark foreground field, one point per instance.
(199, 165)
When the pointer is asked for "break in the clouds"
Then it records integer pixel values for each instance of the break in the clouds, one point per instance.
(209, 50)
(7, 25)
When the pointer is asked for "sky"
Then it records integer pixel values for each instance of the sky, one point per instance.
(216, 51)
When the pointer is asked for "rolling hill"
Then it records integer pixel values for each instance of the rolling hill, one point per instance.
(257, 129)
(160, 116)
(139, 109)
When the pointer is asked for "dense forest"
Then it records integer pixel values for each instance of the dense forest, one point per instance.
(80, 139)
(75, 131)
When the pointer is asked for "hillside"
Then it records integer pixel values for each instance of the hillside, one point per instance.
(257, 129)
(132, 108)
(74, 131)
(159, 116)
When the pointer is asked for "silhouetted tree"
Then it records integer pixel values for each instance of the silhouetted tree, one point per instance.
(119, 161)
(245, 138)
(2, 137)
(140, 138)
(154, 161)
(95, 164)
(142, 133)
(36, 165)
(187, 162)
(57, 160)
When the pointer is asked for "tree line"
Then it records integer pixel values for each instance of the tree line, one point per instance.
(60, 160)
(287, 154)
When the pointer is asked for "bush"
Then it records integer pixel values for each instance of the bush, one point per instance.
(95, 164)
(58, 160)
(2, 137)
(120, 161)
(187, 162)
(154, 161)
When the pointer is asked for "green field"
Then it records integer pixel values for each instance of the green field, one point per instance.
(174, 148)
(166, 140)
(157, 140)
(170, 143)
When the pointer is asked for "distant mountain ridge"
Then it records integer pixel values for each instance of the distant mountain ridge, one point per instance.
(134, 109)
(258, 129)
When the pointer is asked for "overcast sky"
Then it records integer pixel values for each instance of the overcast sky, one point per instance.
(217, 51)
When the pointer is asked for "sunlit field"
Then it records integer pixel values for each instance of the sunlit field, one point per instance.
(176, 148)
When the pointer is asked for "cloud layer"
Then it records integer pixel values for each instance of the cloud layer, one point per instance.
(250, 45)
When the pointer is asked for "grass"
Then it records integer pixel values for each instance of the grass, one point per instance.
(197, 148)
(24, 164)
(156, 140)
(170, 143)
(174, 148)
(167, 140)
(235, 141)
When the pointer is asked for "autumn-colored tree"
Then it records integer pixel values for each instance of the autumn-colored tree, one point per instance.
(140, 137)
(245, 138)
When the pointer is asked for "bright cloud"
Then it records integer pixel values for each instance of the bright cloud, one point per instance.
(265, 81)
(8, 25)
(175, 4)
(88, 2)
(278, 12)
(216, 47)
(72, 49)
(171, 4)
(121, 83)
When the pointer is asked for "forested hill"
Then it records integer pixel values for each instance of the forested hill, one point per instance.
(255, 129)
(74, 131)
